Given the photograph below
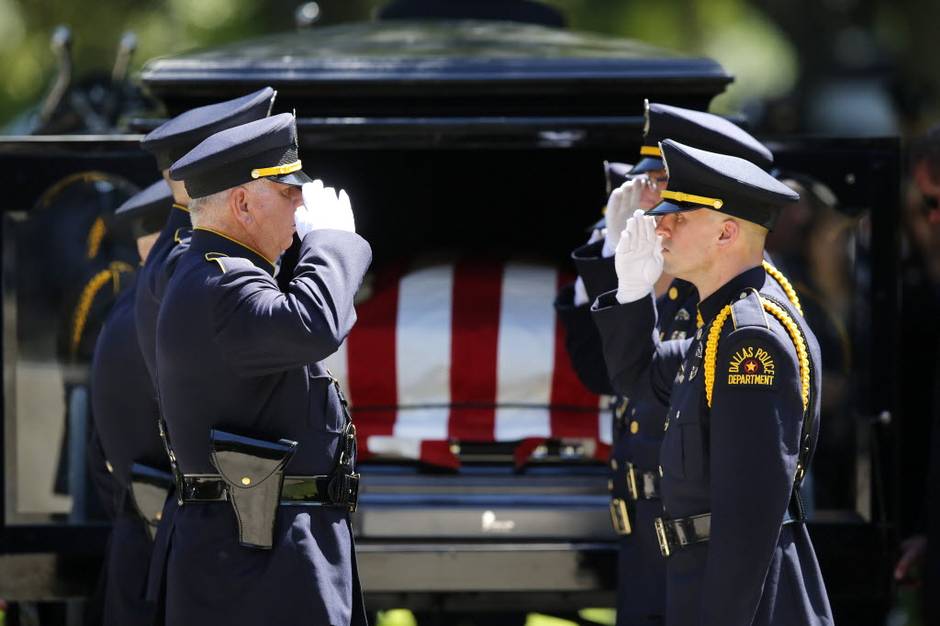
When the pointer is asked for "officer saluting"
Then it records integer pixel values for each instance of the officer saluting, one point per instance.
(258, 426)
(639, 418)
(743, 396)
(125, 412)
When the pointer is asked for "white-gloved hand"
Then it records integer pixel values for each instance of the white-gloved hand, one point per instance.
(623, 201)
(639, 258)
(322, 209)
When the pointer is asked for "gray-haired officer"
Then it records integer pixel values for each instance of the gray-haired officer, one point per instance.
(639, 418)
(258, 426)
(125, 419)
(743, 396)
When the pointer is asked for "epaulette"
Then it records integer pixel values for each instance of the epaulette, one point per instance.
(228, 263)
(180, 233)
(752, 309)
(747, 310)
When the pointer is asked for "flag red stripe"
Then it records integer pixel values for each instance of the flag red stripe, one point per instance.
(371, 356)
(569, 396)
(474, 341)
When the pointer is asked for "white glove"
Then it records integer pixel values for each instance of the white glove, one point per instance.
(623, 201)
(323, 209)
(639, 258)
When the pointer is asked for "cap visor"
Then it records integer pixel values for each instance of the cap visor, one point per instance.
(668, 207)
(297, 179)
(647, 164)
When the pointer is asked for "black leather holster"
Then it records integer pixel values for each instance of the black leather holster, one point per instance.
(149, 488)
(253, 471)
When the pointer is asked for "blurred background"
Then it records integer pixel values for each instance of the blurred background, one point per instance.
(836, 66)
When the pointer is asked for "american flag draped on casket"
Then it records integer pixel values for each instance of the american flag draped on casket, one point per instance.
(463, 351)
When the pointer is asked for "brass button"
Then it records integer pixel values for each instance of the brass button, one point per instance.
(110, 467)
(610, 484)
(673, 293)
(158, 516)
(246, 480)
(613, 464)
(743, 295)
(634, 427)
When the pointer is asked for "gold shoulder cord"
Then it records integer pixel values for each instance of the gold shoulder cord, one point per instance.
(711, 348)
(711, 351)
(91, 289)
(784, 283)
(95, 236)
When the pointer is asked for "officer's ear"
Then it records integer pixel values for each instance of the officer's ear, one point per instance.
(730, 230)
(239, 206)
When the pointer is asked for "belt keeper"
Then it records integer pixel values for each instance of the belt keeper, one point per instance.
(620, 517)
(662, 537)
(631, 482)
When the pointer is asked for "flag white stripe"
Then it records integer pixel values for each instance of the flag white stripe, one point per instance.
(525, 352)
(605, 424)
(422, 352)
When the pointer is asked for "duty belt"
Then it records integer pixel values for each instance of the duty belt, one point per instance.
(642, 485)
(318, 490)
(680, 533)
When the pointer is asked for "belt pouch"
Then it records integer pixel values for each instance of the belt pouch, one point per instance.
(149, 488)
(253, 471)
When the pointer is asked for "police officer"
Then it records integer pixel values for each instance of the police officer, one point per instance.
(125, 413)
(167, 143)
(258, 426)
(639, 418)
(742, 395)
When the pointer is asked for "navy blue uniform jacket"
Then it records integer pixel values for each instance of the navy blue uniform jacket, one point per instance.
(236, 353)
(734, 457)
(638, 428)
(153, 278)
(125, 411)
(152, 281)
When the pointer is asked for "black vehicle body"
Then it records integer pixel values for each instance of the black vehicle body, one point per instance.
(401, 114)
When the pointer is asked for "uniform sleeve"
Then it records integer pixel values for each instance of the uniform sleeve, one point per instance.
(583, 342)
(263, 330)
(597, 271)
(633, 351)
(755, 422)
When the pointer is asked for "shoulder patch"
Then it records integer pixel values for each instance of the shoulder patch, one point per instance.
(751, 365)
(748, 310)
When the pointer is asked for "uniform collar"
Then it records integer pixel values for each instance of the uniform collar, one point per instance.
(731, 291)
(207, 240)
(178, 218)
